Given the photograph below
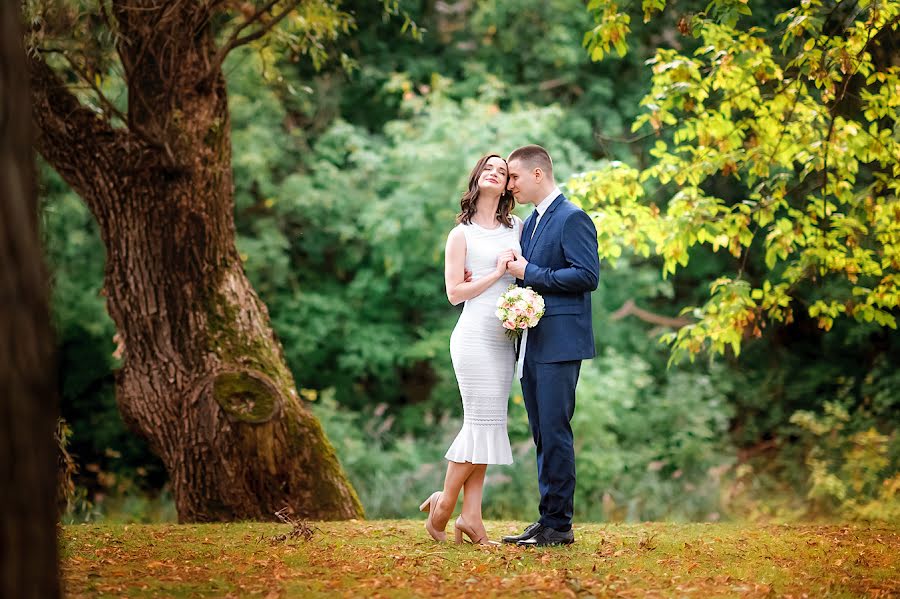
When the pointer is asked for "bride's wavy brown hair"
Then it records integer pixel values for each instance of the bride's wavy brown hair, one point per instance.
(469, 199)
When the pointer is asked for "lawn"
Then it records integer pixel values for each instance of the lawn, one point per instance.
(395, 558)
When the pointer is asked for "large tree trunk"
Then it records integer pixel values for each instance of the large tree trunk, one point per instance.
(28, 406)
(204, 378)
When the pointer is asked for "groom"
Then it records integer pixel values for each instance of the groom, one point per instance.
(559, 261)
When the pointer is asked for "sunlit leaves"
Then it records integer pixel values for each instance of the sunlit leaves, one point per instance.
(629, 223)
(308, 30)
(611, 30)
(79, 38)
(720, 322)
(802, 125)
(650, 7)
(394, 8)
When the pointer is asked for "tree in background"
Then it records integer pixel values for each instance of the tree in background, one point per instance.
(780, 145)
(203, 376)
(28, 404)
(344, 184)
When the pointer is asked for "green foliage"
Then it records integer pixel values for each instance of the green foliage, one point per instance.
(853, 466)
(346, 184)
(85, 32)
(777, 146)
(553, 56)
(611, 30)
(391, 473)
(349, 254)
(812, 178)
(799, 368)
(650, 444)
(308, 30)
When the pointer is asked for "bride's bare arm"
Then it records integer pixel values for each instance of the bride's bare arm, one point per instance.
(458, 290)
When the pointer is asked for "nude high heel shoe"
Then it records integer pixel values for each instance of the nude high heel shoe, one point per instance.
(462, 527)
(437, 535)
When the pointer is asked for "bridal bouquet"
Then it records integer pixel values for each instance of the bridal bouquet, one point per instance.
(519, 308)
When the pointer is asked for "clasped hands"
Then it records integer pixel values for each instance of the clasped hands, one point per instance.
(511, 261)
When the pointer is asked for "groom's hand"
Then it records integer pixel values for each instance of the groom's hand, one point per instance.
(517, 266)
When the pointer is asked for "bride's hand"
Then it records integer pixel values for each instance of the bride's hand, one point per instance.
(502, 259)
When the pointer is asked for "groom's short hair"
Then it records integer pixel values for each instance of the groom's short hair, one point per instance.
(533, 156)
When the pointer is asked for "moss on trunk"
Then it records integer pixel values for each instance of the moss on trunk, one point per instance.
(255, 388)
(246, 396)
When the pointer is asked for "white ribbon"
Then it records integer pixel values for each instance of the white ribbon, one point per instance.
(520, 363)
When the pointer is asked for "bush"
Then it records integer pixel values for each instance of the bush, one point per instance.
(853, 465)
(645, 449)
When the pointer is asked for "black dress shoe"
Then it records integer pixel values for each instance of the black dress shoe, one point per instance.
(548, 536)
(532, 530)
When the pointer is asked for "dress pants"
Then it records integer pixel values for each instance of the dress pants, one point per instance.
(549, 393)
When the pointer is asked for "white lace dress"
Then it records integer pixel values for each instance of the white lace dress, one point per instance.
(483, 357)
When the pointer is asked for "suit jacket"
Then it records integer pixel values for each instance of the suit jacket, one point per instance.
(563, 266)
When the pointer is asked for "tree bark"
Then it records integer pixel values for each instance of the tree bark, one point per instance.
(203, 378)
(28, 404)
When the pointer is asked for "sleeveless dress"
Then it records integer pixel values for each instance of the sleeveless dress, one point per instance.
(483, 356)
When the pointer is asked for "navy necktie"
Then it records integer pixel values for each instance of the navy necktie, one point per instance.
(529, 233)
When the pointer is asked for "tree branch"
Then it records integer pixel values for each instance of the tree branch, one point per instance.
(256, 16)
(629, 308)
(69, 135)
(235, 39)
(262, 30)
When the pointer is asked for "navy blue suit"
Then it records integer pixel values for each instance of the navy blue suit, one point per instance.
(564, 268)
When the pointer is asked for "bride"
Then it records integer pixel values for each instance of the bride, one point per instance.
(483, 357)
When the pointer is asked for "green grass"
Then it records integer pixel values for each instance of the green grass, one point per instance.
(395, 558)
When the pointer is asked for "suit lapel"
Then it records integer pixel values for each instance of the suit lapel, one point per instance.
(542, 225)
(527, 228)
